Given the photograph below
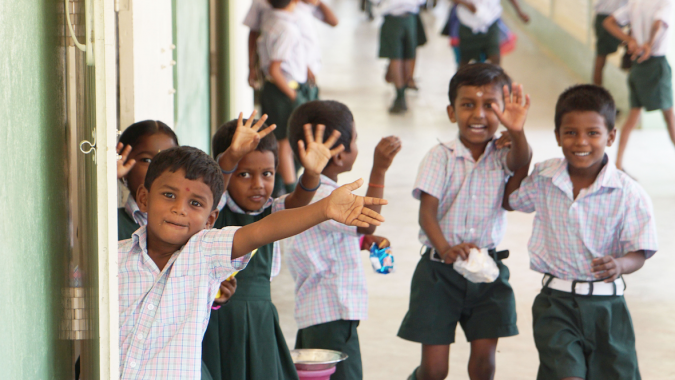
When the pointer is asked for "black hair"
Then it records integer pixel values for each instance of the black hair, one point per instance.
(279, 4)
(586, 97)
(196, 163)
(334, 115)
(223, 139)
(478, 75)
(135, 131)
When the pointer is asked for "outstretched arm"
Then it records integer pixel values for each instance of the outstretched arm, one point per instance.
(341, 206)
(513, 118)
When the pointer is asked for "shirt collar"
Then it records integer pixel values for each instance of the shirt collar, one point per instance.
(460, 150)
(131, 208)
(234, 207)
(608, 177)
(140, 239)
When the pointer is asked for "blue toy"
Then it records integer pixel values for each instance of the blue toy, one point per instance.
(381, 259)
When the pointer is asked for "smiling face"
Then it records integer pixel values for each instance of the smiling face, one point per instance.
(583, 136)
(252, 183)
(143, 152)
(474, 116)
(177, 209)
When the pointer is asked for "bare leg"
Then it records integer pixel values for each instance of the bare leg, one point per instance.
(482, 359)
(395, 73)
(599, 66)
(631, 122)
(409, 72)
(435, 362)
(286, 164)
(670, 123)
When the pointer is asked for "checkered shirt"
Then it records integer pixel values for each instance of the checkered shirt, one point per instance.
(138, 216)
(612, 217)
(469, 193)
(325, 262)
(163, 315)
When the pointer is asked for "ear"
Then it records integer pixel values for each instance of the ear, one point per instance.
(451, 113)
(337, 160)
(611, 137)
(557, 136)
(211, 220)
(142, 196)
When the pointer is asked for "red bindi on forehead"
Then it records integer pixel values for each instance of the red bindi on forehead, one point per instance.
(187, 189)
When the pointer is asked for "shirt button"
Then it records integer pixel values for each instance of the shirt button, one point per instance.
(471, 230)
(473, 197)
(151, 307)
(139, 336)
(133, 364)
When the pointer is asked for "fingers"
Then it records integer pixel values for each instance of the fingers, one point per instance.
(384, 243)
(332, 139)
(318, 134)
(267, 131)
(301, 149)
(518, 94)
(308, 133)
(372, 215)
(369, 201)
(507, 94)
(250, 119)
(527, 101)
(354, 185)
(259, 124)
(368, 221)
(498, 112)
(125, 153)
(119, 147)
(240, 120)
(336, 150)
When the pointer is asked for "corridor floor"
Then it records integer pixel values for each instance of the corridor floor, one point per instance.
(353, 75)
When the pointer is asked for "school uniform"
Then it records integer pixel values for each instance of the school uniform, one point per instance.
(582, 327)
(649, 82)
(470, 210)
(399, 32)
(330, 288)
(605, 42)
(163, 314)
(243, 340)
(479, 32)
(129, 219)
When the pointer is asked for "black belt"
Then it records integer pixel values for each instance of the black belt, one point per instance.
(496, 255)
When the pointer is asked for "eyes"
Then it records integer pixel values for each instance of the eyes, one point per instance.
(486, 105)
(247, 175)
(192, 202)
(574, 133)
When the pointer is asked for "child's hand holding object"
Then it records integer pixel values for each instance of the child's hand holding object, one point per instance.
(479, 267)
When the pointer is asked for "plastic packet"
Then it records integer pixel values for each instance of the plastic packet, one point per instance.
(381, 259)
(480, 267)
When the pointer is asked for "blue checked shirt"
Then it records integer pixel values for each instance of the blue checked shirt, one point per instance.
(470, 193)
(611, 218)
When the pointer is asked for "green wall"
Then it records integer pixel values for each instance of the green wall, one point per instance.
(32, 192)
(192, 101)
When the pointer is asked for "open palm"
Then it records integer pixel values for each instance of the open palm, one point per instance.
(515, 108)
(315, 156)
(248, 135)
(349, 209)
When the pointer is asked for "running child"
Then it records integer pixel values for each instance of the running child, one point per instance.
(460, 186)
(325, 261)
(592, 225)
(244, 340)
(170, 270)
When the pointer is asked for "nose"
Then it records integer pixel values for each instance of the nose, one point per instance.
(179, 207)
(479, 112)
(257, 182)
(581, 140)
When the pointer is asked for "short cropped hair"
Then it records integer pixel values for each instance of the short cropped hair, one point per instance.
(586, 97)
(136, 131)
(334, 115)
(477, 74)
(279, 4)
(223, 139)
(196, 163)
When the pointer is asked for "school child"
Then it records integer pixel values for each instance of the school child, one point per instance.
(592, 225)
(170, 269)
(605, 43)
(325, 261)
(137, 146)
(479, 29)
(244, 340)
(460, 186)
(650, 78)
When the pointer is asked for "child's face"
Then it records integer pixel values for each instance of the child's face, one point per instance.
(583, 136)
(177, 208)
(473, 113)
(252, 183)
(143, 152)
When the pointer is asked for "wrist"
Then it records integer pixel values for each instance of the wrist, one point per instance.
(228, 160)
(377, 175)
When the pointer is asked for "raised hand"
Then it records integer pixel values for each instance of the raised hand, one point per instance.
(515, 108)
(385, 151)
(347, 208)
(247, 136)
(123, 165)
(315, 156)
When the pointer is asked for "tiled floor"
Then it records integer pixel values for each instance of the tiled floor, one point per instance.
(352, 74)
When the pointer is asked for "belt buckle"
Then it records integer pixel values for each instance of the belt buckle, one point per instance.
(574, 288)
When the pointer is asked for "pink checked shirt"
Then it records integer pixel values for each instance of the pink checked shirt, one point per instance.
(138, 216)
(611, 218)
(163, 315)
(470, 193)
(325, 262)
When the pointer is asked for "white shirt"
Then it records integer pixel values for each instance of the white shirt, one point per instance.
(607, 7)
(641, 15)
(281, 40)
(400, 7)
(487, 12)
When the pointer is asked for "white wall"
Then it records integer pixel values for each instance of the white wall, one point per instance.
(241, 95)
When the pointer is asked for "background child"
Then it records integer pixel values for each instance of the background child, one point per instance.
(460, 186)
(650, 78)
(605, 43)
(325, 261)
(244, 340)
(592, 224)
(170, 269)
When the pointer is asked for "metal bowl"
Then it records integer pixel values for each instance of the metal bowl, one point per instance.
(313, 359)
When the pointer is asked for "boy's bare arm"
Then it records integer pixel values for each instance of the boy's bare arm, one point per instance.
(645, 51)
(314, 159)
(523, 16)
(341, 206)
(513, 117)
(328, 15)
(469, 5)
(613, 27)
(610, 268)
(514, 184)
(428, 219)
(280, 81)
(252, 56)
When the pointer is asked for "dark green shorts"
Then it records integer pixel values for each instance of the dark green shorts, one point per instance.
(278, 107)
(471, 45)
(398, 37)
(338, 336)
(440, 297)
(590, 337)
(650, 84)
(605, 43)
(421, 33)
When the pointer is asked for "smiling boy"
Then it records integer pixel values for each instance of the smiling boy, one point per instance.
(593, 224)
(170, 270)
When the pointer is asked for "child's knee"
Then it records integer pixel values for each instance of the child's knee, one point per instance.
(437, 372)
(481, 367)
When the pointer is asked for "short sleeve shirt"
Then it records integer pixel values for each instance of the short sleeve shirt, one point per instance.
(606, 7)
(281, 40)
(612, 217)
(487, 13)
(641, 15)
(469, 193)
(400, 7)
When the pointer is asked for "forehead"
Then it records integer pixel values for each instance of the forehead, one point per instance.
(178, 181)
(154, 143)
(491, 91)
(583, 119)
(257, 159)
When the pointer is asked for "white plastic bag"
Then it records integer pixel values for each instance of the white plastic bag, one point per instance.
(480, 267)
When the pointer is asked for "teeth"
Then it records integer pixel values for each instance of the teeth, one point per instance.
(582, 153)
(476, 126)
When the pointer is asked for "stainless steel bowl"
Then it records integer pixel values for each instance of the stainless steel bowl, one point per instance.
(313, 359)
